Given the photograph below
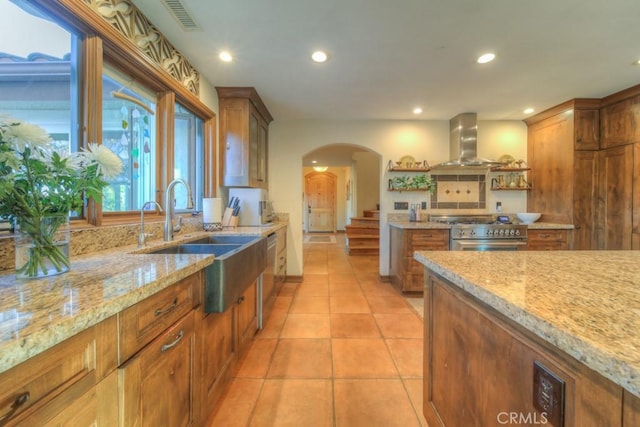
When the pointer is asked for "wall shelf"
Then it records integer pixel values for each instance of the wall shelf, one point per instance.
(409, 169)
(503, 169)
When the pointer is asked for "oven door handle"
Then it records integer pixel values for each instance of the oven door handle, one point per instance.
(470, 244)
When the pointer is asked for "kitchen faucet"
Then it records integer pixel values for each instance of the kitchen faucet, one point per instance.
(169, 228)
(142, 237)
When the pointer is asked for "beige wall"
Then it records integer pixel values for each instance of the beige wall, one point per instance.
(289, 141)
(367, 166)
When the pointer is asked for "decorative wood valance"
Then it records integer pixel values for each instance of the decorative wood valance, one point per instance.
(125, 17)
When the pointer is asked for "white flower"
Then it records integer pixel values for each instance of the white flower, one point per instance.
(22, 134)
(109, 165)
(74, 161)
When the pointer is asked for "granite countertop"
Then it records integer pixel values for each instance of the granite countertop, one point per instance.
(37, 314)
(586, 303)
(425, 225)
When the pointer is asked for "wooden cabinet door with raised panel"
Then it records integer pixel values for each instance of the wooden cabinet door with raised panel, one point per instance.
(587, 129)
(585, 198)
(246, 319)
(550, 156)
(156, 385)
(616, 191)
(620, 123)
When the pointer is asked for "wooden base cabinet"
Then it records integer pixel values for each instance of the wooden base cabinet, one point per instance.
(548, 240)
(479, 369)
(407, 273)
(246, 320)
(73, 383)
(156, 385)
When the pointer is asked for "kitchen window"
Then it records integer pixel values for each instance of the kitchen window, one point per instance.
(188, 155)
(129, 130)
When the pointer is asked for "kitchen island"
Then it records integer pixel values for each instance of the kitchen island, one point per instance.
(534, 335)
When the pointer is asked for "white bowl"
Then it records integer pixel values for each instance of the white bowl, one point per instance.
(528, 218)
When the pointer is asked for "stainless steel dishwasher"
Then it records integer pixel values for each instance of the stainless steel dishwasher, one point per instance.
(266, 290)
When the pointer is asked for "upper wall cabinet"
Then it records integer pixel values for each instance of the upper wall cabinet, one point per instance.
(244, 137)
(620, 118)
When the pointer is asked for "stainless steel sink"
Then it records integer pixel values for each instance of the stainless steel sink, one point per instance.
(239, 260)
(189, 248)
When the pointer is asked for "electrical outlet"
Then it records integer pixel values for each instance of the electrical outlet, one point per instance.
(401, 206)
(548, 394)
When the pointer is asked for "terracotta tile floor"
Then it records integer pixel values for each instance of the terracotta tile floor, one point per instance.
(341, 349)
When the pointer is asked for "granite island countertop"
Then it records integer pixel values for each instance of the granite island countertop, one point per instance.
(586, 303)
(37, 314)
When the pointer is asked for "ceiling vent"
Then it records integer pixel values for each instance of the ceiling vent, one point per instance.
(181, 15)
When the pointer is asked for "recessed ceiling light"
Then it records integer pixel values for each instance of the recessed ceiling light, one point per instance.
(320, 168)
(319, 56)
(417, 110)
(487, 57)
(314, 162)
(225, 56)
(528, 110)
(636, 62)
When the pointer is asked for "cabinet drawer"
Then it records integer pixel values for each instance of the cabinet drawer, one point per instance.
(44, 385)
(548, 240)
(430, 238)
(142, 322)
(535, 236)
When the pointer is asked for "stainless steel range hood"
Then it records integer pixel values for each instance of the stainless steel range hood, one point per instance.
(463, 145)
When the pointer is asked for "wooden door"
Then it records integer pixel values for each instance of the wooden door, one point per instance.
(321, 198)
(615, 199)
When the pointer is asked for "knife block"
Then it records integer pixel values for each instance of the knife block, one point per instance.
(228, 220)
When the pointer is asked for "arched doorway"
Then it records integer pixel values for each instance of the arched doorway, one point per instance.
(320, 193)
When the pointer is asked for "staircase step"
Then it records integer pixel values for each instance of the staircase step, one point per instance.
(363, 236)
(362, 232)
(363, 250)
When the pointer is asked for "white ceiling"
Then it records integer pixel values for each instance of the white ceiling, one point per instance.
(388, 56)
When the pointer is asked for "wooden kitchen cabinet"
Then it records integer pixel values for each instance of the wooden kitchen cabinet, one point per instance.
(479, 364)
(157, 384)
(246, 319)
(620, 119)
(217, 358)
(548, 240)
(244, 137)
(406, 273)
(281, 259)
(61, 385)
(617, 167)
(561, 151)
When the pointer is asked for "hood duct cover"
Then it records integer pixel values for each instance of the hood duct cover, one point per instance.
(463, 144)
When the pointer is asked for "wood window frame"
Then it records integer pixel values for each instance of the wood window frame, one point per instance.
(100, 41)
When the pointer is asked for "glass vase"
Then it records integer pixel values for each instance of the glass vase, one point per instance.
(42, 246)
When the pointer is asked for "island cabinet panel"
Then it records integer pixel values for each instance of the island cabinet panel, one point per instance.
(156, 385)
(406, 273)
(479, 368)
(63, 382)
(631, 410)
(548, 240)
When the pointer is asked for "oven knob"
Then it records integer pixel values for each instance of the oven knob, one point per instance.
(517, 232)
(501, 232)
(461, 233)
(489, 232)
(473, 232)
(512, 232)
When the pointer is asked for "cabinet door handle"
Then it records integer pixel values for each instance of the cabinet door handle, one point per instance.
(173, 343)
(17, 403)
(241, 299)
(545, 236)
(161, 311)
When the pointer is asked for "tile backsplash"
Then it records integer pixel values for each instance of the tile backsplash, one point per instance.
(459, 192)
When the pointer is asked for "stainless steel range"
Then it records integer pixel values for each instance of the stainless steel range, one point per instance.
(483, 233)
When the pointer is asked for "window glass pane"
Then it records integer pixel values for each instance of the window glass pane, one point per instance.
(38, 81)
(188, 156)
(129, 130)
